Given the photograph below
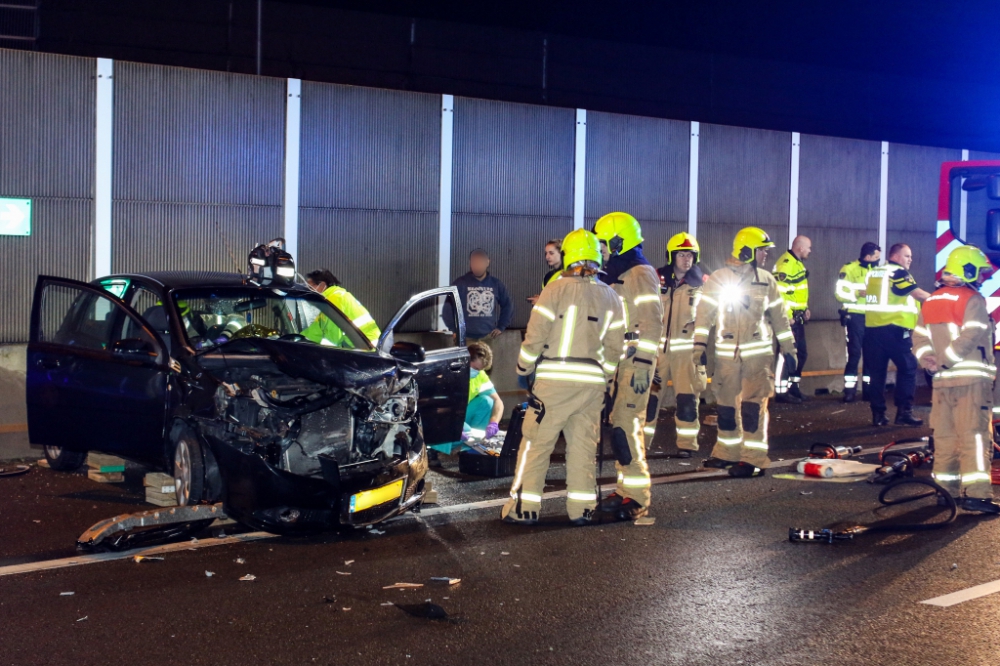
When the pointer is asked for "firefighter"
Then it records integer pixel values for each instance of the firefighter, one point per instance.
(850, 292)
(891, 308)
(327, 284)
(572, 346)
(793, 283)
(638, 285)
(953, 339)
(681, 281)
(744, 303)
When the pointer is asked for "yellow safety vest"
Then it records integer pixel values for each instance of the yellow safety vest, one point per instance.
(344, 301)
(887, 297)
(849, 285)
(793, 281)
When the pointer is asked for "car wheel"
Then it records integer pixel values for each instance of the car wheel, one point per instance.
(189, 469)
(64, 460)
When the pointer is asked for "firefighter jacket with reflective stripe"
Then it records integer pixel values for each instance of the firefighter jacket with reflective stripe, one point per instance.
(574, 333)
(887, 297)
(851, 286)
(745, 306)
(956, 332)
(793, 281)
(680, 305)
(639, 289)
(344, 301)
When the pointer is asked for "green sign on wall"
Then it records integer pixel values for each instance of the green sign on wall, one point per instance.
(15, 217)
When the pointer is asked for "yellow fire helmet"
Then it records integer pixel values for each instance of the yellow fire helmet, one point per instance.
(620, 231)
(580, 245)
(748, 240)
(967, 263)
(682, 242)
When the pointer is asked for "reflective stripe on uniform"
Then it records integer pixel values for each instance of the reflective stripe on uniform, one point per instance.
(646, 298)
(569, 324)
(687, 432)
(753, 444)
(785, 335)
(529, 358)
(545, 312)
(730, 441)
(920, 352)
(575, 496)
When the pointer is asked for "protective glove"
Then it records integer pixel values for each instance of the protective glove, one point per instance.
(641, 377)
(492, 429)
(698, 355)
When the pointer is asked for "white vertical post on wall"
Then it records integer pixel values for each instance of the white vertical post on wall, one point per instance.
(293, 134)
(444, 221)
(883, 200)
(104, 107)
(580, 169)
(963, 206)
(693, 179)
(793, 192)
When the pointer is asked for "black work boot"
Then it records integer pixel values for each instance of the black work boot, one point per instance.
(850, 395)
(631, 510)
(717, 463)
(979, 505)
(516, 517)
(906, 418)
(610, 503)
(588, 518)
(788, 399)
(796, 393)
(879, 420)
(744, 470)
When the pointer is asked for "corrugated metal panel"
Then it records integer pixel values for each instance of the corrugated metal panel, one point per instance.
(196, 136)
(743, 180)
(47, 155)
(369, 148)
(382, 257)
(516, 244)
(513, 159)
(59, 245)
(639, 165)
(838, 209)
(155, 236)
(914, 173)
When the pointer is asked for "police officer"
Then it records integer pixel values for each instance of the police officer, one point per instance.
(637, 283)
(850, 292)
(325, 283)
(681, 281)
(954, 340)
(572, 346)
(793, 283)
(891, 308)
(745, 305)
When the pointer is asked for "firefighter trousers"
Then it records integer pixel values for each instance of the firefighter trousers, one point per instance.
(689, 382)
(742, 387)
(575, 412)
(963, 440)
(628, 442)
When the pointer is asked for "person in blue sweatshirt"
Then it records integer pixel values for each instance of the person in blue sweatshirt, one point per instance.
(485, 301)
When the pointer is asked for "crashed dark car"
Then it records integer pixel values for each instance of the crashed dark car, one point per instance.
(264, 398)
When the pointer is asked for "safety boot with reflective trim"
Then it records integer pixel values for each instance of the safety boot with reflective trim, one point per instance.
(588, 518)
(717, 463)
(631, 510)
(610, 503)
(979, 505)
(510, 514)
(742, 470)
(908, 419)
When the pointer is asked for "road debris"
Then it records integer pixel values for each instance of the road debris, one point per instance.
(248, 577)
(343, 573)
(345, 609)
(402, 586)
(146, 558)
(388, 603)
(954, 566)
(449, 580)
(83, 618)
(16, 470)
(209, 574)
(425, 610)
(372, 530)
(685, 464)
(240, 560)
(804, 493)
(348, 563)
(66, 594)
(646, 520)
(839, 411)
(504, 552)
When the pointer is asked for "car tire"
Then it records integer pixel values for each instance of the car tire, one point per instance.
(64, 460)
(189, 468)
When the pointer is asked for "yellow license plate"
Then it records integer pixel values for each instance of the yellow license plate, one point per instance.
(369, 498)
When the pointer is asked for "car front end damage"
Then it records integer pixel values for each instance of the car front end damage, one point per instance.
(311, 438)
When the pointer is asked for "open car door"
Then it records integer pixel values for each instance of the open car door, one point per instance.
(96, 375)
(429, 331)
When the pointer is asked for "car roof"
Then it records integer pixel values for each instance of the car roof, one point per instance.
(187, 279)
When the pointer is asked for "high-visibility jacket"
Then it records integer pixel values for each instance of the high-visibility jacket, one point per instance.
(479, 385)
(680, 305)
(574, 333)
(639, 289)
(851, 284)
(888, 299)
(793, 281)
(745, 306)
(551, 276)
(344, 301)
(955, 330)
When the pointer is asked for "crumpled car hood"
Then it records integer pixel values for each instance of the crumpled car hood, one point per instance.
(324, 365)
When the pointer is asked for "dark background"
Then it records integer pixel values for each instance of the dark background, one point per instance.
(914, 72)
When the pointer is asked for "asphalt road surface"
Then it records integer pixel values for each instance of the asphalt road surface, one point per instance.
(713, 581)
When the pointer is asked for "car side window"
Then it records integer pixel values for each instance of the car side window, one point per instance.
(77, 318)
(431, 322)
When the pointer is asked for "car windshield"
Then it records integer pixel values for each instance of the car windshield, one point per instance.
(214, 316)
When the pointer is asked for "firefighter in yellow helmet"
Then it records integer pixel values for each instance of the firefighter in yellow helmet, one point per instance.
(571, 347)
(638, 285)
(953, 339)
(743, 302)
(681, 282)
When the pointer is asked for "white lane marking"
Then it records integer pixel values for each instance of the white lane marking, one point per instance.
(94, 558)
(955, 598)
